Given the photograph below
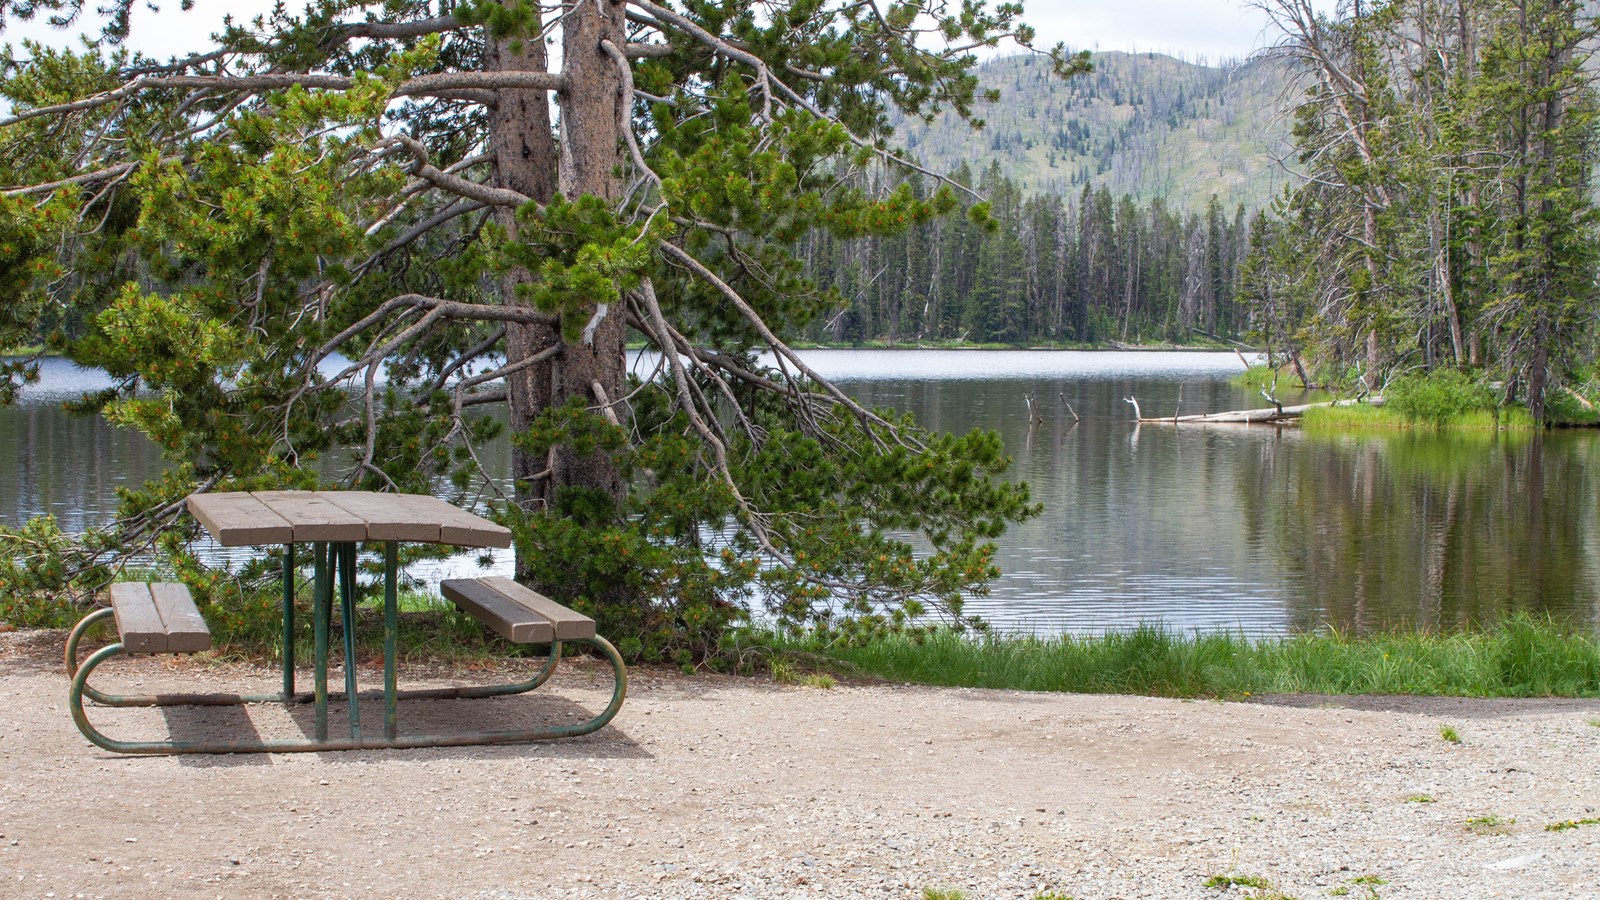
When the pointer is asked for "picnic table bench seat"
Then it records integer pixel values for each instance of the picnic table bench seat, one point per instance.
(517, 613)
(158, 618)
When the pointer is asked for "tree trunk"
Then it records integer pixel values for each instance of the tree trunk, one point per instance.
(591, 368)
(524, 152)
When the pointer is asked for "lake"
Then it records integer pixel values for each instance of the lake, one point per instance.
(1251, 529)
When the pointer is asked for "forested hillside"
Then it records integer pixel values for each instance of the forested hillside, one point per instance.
(1119, 202)
(1143, 124)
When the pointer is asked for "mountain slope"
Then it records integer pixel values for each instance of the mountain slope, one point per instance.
(1144, 124)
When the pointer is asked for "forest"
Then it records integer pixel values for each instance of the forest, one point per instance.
(1447, 215)
(1037, 269)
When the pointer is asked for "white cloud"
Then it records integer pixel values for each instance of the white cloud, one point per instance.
(1191, 28)
(168, 33)
(1213, 28)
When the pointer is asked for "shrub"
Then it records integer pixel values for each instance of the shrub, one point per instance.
(1564, 408)
(1437, 397)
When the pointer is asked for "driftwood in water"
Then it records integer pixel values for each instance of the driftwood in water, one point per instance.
(1063, 397)
(1034, 417)
(1265, 415)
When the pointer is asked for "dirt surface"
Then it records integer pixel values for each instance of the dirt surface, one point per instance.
(723, 787)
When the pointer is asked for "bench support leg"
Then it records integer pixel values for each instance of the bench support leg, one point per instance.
(390, 697)
(618, 694)
(75, 636)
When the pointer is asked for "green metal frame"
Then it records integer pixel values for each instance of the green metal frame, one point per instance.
(331, 562)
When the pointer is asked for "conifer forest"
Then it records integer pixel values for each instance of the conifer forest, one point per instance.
(1039, 269)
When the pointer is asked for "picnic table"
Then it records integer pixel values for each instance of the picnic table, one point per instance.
(162, 618)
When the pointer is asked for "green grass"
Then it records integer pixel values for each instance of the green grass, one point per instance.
(1348, 418)
(1420, 798)
(1489, 824)
(784, 672)
(1326, 419)
(1448, 733)
(1571, 824)
(411, 601)
(1229, 881)
(1261, 378)
(1522, 657)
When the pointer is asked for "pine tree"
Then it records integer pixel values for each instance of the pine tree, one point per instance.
(383, 184)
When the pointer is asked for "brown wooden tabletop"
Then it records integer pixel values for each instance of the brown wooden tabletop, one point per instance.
(247, 518)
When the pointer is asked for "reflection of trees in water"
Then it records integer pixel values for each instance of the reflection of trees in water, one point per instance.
(1434, 530)
(68, 465)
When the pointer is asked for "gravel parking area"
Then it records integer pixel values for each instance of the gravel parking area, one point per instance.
(725, 787)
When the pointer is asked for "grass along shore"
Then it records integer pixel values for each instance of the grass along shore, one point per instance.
(1444, 400)
(1520, 657)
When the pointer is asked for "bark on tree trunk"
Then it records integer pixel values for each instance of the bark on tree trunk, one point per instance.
(524, 152)
(592, 367)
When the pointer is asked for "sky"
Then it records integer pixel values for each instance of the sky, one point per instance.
(1214, 29)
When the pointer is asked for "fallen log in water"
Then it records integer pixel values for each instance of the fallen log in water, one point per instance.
(1267, 415)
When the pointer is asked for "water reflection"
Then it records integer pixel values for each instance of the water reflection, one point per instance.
(1250, 529)
(1437, 531)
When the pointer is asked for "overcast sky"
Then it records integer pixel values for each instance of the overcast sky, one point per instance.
(1212, 28)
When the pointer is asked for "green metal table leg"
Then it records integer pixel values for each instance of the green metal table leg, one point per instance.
(391, 637)
(347, 614)
(288, 620)
(320, 613)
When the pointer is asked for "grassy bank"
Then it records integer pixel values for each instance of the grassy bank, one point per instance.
(1266, 378)
(1443, 399)
(1523, 657)
(1362, 417)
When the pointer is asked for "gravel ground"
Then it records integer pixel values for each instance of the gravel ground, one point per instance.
(724, 787)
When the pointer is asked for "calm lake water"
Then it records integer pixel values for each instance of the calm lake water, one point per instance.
(1252, 529)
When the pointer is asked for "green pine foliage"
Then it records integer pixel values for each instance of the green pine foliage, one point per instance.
(325, 250)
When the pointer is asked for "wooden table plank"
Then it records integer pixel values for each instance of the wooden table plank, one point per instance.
(314, 518)
(456, 525)
(569, 625)
(138, 622)
(388, 517)
(238, 519)
(186, 630)
(512, 620)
